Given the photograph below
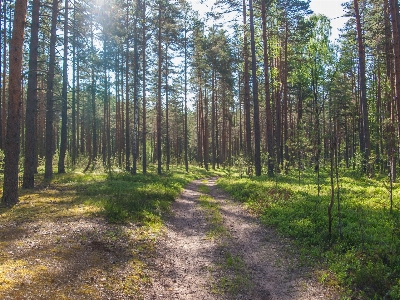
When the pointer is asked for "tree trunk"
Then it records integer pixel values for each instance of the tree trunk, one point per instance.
(256, 120)
(106, 128)
(80, 145)
(127, 118)
(268, 113)
(135, 92)
(185, 139)
(167, 138)
(31, 101)
(64, 109)
(93, 156)
(213, 113)
(395, 19)
(217, 151)
(109, 151)
(284, 71)
(74, 117)
(332, 200)
(48, 173)
(365, 137)
(159, 104)
(144, 146)
(278, 126)
(4, 82)
(2, 79)
(12, 145)
(118, 142)
(246, 100)
(205, 133)
(200, 127)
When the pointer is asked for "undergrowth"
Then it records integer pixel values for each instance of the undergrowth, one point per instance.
(365, 260)
(107, 225)
(139, 198)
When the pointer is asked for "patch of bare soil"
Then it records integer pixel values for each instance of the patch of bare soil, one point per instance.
(53, 246)
(53, 249)
(250, 261)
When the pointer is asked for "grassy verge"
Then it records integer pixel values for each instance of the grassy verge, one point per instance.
(365, 260)
(123, 198)
(86, 235)
(233, 276)
(213, 215)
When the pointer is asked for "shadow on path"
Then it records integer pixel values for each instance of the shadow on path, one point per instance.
(188, 265)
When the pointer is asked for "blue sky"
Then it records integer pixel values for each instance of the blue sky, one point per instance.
(333, 10)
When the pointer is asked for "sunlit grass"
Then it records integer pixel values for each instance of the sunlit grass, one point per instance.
(213, 214)
(121, 215)
(365, 259)
(234, 276)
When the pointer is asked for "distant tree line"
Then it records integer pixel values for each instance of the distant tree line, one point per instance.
(257, 84)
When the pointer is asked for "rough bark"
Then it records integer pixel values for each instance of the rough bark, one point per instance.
(135, 92)
(2, 78)
(268, 113)
(185, 139)
(12, 145)
(159, 108)
(395, 20)
(206, 131)
(246, 99)
(127, 90)
(256, 117)
(365, 137)
(213, 121)
(64, 109)
(4, 85)
(31, 101)
(167, 138)
(144, 146)
(48, 173)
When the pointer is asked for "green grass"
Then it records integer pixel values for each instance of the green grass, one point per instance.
(136, 204)
(233, 274)
(213, 214)
(235, 277)
(117, 195)
(139, 198)
(365, 261)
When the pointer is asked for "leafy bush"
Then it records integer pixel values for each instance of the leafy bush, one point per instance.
(395, 291)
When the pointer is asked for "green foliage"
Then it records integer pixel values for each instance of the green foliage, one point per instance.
(235, 278)
(395, 291)
(212, 211)
(139, 198)
(366, 259)
(204, 189)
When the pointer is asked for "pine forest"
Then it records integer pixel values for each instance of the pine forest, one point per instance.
(115, 106)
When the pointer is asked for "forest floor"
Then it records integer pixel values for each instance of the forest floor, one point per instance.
(53, 245)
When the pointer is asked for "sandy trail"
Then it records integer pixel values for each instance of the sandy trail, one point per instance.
(188, 265)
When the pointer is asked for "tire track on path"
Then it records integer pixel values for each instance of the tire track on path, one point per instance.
(188, 265)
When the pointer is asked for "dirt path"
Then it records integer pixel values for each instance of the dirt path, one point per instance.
(249, 261)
